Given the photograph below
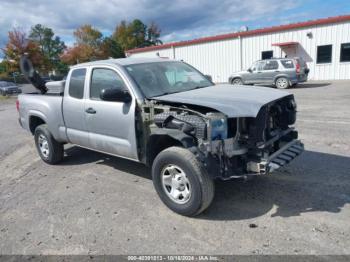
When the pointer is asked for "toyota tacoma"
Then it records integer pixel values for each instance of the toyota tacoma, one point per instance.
(167, 115)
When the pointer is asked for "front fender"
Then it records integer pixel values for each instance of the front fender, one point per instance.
(235, 76)
(162, 138)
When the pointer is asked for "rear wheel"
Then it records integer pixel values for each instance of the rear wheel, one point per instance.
(48, 148)
(282, 83)
(181, 182)
(237, 81)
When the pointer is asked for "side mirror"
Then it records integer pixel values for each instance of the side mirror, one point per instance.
(209, 78)
(249, 70)
(115, 95)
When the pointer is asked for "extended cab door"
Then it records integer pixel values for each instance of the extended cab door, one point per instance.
(111, 125)
(74, 107)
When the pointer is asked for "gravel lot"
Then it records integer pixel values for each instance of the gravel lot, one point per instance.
(97, 204)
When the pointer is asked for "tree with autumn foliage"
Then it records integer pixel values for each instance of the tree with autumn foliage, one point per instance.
(88, 35)
(91, 45)
(47, 52)
(86, 47)
(18, 44)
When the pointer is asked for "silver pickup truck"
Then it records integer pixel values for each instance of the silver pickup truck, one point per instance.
(167, 115)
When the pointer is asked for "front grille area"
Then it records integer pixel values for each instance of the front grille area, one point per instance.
(271, 120)
(179, 121)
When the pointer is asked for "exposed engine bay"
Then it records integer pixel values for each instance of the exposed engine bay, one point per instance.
(232, 147)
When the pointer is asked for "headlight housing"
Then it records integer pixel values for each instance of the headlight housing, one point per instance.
(217, 129)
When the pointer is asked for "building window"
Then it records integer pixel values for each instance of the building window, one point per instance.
(324, 54)
(345, 52)
(266, 55)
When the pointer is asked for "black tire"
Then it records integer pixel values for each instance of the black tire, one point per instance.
(237, 81)
(201, 185)
(282, 83)
(55, 149)
(3, 93)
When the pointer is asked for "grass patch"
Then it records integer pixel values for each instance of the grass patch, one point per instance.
(5, 99)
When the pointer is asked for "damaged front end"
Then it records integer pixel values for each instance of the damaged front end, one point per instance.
(231, 147)
(255, 146)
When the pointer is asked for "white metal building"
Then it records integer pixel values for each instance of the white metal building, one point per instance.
(324, 44)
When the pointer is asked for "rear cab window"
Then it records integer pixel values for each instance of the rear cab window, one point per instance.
(287, 63)
(77, 83)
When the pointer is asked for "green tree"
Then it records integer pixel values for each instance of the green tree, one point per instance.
(136, 34)
(153, 34)
(123, 35)
(3, 67)
(111, 48)
(138, 30)
(50, 45)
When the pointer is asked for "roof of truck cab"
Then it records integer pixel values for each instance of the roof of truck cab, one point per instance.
(123, 61)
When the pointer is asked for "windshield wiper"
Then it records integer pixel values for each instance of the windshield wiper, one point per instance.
(170, 93)
(197, 87)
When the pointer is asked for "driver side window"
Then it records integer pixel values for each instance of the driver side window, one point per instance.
(254, 66)
(103, 78)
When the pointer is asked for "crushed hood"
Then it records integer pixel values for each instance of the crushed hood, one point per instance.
(233, 101)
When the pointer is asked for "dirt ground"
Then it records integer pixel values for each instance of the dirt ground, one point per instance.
(98, 204)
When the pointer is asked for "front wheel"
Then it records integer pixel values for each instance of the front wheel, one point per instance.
(48, 148)
(237, 81)
(282, 83)
(181, 182)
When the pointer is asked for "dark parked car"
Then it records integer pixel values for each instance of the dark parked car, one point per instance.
(280, 72)
(9, 88)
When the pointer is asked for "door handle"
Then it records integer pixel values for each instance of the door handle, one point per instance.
(277, 71)
(90, 110)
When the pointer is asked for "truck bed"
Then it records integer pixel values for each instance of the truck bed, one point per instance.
(47, 107)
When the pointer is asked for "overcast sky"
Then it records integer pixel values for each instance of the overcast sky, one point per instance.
(178, 19)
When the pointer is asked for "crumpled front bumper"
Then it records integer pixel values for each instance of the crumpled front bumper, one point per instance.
(278, 159)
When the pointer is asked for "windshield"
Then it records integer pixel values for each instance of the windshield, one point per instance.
(161, 78)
